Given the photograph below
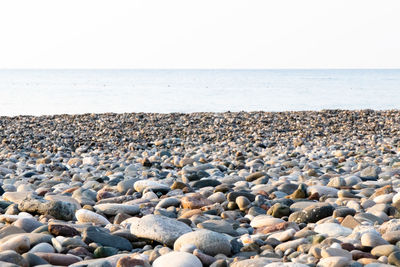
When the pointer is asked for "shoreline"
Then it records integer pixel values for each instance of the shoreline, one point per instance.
(315, 188)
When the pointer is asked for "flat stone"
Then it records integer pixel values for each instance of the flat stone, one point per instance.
(34, 238)
(58, 259)
(350, 222)
(114, 209)
(220, 226)
(19, 244)
(98, 235)
(265, 221)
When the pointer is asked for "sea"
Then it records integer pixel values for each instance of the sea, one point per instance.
(48, 92)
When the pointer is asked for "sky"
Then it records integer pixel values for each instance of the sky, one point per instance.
(206, 34)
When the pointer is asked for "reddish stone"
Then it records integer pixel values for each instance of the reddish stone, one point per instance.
(195, 201)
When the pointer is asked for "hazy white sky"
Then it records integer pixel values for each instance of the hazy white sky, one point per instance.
(200, 34)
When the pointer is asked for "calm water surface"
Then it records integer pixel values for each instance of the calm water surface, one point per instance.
(38, 92)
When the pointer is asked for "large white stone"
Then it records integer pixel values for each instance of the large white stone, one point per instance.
(87, 216)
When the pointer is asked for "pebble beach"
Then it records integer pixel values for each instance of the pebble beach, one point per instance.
(240, 189)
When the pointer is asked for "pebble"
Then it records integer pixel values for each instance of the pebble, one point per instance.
(332, 230)
(221, 189)
(87, 216)
(211, 243)
(158, 228)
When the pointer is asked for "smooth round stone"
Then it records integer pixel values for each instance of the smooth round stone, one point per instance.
(396, 197)
(352, 180)
(58, 259)
(125, 185)
(242, 202)
(220, 226)
(335, 252)
(159, 228)
(141, 185)
(322, 190)
(27, 224)
(217, 197)
(168, 202)
(371, 239)
(384, 250)
(114, 209)
(103, 252)
(334, 262)
(207, 241)
(87, 216)
(332, 229)
(264, 221)
(177, 259)
(283, 236)
(42, 247)
(312, 213)
(386, 198)
(19, 244)
(292, 244)
(34, 238)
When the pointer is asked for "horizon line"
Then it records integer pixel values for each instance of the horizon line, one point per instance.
(190, 69)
